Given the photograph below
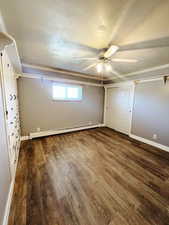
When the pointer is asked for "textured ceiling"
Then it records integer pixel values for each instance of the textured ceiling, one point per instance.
(52, 32)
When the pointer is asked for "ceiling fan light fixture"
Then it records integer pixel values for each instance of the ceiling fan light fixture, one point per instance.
(111, 51)
(99, 67)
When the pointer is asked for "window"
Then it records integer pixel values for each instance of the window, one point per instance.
(65, 92)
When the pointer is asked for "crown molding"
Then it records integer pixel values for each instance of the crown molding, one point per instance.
(120, 84)
(62, 71)
(64, 80)
(134, 82)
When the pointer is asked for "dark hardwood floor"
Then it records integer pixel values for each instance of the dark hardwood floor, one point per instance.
(92, 177)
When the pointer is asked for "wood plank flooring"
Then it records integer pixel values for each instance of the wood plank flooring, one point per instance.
(92, 177)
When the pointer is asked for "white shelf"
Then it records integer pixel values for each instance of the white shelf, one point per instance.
(8, 42)
(5, 40)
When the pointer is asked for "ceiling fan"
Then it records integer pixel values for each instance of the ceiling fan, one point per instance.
(104, 63)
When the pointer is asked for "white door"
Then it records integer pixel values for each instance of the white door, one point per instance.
(118, 108)
(5, 176)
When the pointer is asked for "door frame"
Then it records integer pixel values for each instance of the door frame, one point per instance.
(4, 105)
(130, 84)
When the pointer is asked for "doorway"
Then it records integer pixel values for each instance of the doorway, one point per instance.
(119, 108)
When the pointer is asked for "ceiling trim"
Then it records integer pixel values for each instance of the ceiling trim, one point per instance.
(150, 80)
(141, 71)
(66, 72)
(93, 77)
(120, 84)
(64, 80)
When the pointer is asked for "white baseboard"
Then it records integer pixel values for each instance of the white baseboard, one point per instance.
(10, 195)
(102, 125)
(24, 138)
(53, 132)
(146, 141)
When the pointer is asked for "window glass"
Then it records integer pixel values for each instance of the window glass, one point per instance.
(72, 92)
(67, 92)
(59, 92)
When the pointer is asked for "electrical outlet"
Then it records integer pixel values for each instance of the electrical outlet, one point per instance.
(38, 129)
(155, 136)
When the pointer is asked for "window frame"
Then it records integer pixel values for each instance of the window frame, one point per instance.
(67, 86)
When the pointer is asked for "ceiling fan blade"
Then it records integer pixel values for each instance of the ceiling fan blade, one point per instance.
(78, 58)
(111, 51)
(89, 67)
(125, 60)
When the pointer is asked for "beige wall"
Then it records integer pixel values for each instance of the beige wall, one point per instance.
(151, 111)
(38, 110)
